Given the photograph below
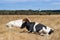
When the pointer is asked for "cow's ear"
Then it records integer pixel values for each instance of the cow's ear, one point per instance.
(26, 20)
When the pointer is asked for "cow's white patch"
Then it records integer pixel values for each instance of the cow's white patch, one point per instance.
(35, 26)
(16, 23)
(46, 30)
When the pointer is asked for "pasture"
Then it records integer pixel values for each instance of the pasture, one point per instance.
(52, 21)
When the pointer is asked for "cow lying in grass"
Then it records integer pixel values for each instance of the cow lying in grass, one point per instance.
(37, 27)
(30, 26)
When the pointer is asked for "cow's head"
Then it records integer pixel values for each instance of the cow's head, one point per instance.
(25, 20)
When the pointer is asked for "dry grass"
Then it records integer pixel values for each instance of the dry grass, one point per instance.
(18, 34)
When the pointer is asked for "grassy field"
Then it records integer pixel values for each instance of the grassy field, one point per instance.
(52, 21)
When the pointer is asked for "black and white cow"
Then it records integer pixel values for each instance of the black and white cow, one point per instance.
(30, 26)
(37, 27)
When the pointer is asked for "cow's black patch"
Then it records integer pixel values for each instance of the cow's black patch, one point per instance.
(51, 31)
(39, 27)
(30, 25)
(23, 25)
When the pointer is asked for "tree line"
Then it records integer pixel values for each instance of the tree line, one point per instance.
(29, 12)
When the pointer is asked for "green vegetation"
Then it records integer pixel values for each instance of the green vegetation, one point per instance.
(29, 12)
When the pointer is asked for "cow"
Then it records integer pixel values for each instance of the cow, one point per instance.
(37, 27)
